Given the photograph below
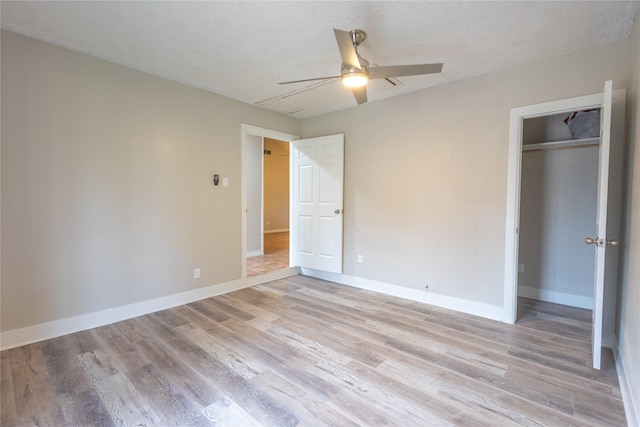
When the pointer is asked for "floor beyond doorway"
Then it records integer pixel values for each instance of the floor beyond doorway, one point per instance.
(276, 255)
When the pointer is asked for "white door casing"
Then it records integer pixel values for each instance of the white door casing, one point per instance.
(317, 195)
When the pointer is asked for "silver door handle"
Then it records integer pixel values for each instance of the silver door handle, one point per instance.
(601, 242)
(337, 212)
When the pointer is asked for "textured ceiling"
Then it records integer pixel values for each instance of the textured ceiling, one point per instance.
(242, 49)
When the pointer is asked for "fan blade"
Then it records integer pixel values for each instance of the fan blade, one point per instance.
(360, 93)
(403, 70)
(310, 80)
(347, 51)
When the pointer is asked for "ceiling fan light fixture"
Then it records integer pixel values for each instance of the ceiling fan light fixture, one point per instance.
(355, 78)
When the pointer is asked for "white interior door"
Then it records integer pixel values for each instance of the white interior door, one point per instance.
(600, 240)
(318, 172)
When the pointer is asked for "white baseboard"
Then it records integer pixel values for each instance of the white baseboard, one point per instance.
(470, 307)
(555, 297)
(631, 410)
(254, 253)
(279, 230)
(56, 328)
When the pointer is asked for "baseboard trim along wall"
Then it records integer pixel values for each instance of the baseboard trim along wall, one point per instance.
(278, 230)
(56, 328)
(555, 297)
(465, 306)
(254, 253)
(631, 410)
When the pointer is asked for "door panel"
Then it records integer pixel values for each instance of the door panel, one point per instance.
(318, 169)
(601, 225)
(608, 214)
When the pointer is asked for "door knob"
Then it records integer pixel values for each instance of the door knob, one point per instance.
(337, 211)
(601, 242)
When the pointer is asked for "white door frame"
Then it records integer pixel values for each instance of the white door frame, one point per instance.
(517, 117)
(245, 130)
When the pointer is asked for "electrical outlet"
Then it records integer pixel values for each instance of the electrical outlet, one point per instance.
(360, 259)
(520, 268)
(196, 273)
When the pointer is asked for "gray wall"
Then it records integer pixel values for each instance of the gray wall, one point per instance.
(107, 193)
(425, 187)
(254, 194)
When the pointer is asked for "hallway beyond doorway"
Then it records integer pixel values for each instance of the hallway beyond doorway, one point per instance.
(276, 255)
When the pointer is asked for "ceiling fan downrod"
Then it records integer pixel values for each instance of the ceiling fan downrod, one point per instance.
(357, 37)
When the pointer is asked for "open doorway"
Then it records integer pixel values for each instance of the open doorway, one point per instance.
(604, 232)
(265, 200)
(558, 201)
(267, 206)
(316, 182)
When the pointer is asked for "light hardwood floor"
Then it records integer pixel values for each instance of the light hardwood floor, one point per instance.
(305, 352)
(276, 255)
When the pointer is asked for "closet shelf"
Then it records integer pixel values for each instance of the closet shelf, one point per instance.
(569, 143)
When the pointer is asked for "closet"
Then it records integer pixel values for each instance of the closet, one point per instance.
(558, 199)
(556, 249)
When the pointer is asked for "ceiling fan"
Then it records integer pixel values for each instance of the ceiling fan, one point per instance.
(356, 72)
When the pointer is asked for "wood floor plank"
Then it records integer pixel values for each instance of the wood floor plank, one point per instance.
(208, 311)
(355, 389)
(241, 391)
(299, 402)
(64, 368)
(34, 393)
(8, 412)
(343, 342)
(194, 386)
(220, 305)
(226, 355)
(120, 349)
(166, 400)
(303, 343)
(306, 352)
(225, 412)
(609, 408)
(245, 346)
(126, 405)
(36, 404)
(89, 409)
